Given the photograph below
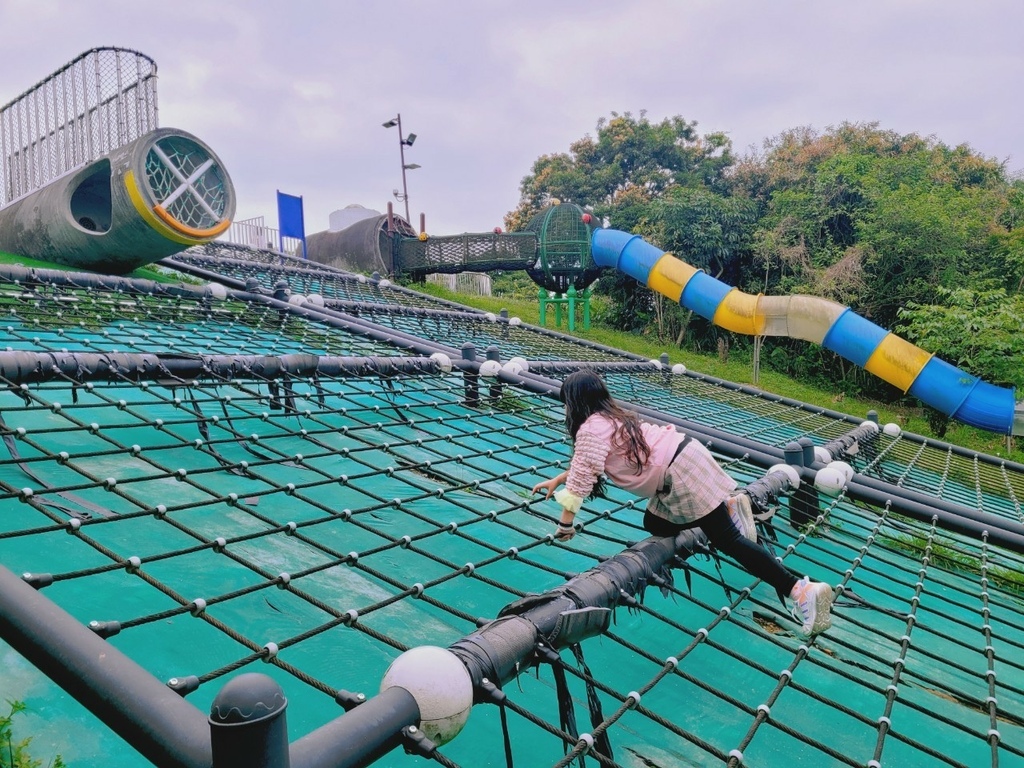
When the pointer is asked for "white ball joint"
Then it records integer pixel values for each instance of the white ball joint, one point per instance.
(789, 471)
(440, 683)
(516, 365)
(443, 361)
(490, 368)
(843, 467)
(830, 481)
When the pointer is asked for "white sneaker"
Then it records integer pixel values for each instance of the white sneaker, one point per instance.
(742, 515)
(813, 605)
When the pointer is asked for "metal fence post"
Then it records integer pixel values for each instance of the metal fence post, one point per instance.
(471, 378)
(248, 728)
(495, 389)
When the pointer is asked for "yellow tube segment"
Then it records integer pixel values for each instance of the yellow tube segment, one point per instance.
(897, 361)
(738, 312)
(669, 276)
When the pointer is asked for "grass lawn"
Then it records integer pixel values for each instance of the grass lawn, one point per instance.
(147, 272)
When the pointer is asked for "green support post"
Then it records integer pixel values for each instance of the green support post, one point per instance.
(571, 299)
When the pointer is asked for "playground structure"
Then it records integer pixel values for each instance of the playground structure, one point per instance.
(87, 179)
(921, 374)
(553, 249)
(564, 252)
(294, 483)
(317, 477)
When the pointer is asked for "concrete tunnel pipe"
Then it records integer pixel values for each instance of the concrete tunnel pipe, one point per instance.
(153, 197)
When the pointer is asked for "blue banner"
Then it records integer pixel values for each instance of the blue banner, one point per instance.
(290, 219)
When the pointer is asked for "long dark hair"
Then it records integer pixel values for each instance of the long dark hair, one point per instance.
(584, 394)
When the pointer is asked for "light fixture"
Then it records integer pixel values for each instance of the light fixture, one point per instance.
(412, 166)
(390, 123)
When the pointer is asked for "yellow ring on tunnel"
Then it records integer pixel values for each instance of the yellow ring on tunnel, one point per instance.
(199, 234)
(135, 195)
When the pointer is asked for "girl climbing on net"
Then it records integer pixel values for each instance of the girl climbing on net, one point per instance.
(685, 486)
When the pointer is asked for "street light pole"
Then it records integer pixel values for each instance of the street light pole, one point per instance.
(403, 142)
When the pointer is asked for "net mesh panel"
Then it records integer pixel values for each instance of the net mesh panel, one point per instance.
(101, 100)
(212, 518)
(554, 250)
(564, 257)
(185, 183)
(469, 252)
(267, 268)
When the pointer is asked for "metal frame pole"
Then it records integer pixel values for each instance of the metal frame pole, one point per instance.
(161, 725)
(401, 154)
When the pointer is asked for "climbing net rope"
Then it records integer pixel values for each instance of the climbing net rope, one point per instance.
(208, 510)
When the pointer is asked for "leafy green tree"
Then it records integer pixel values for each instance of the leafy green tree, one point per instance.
(1008, 238)
(661, 180)
(977, 329)
(929, 223)
(630, 159)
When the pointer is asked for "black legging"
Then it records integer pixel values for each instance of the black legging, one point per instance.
(725, 536)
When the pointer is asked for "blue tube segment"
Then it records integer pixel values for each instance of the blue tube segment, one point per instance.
(854, 337)
(942, 386)
(703, 293)
(627, 253)
(988, 407)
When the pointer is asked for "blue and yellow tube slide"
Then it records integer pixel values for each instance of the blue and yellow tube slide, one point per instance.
(944, 387)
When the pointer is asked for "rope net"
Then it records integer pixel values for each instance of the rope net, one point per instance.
(211, 508)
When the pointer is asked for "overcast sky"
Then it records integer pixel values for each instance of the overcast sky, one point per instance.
(291, 95)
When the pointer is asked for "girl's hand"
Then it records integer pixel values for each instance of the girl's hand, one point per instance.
(548, 486)
(564, 532)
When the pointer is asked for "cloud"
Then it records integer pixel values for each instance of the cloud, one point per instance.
(292, 96)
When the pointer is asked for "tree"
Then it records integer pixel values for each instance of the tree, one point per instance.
(976, 328)
(637, 174)
(628, 156)
(875, 220)
(15, 753)
(1008, 238)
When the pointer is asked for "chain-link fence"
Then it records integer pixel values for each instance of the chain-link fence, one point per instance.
(102, 100)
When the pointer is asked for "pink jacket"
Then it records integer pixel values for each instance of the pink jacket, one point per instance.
(698, 483)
